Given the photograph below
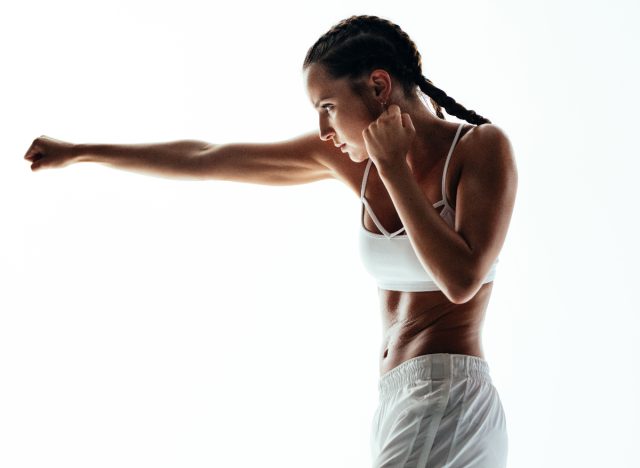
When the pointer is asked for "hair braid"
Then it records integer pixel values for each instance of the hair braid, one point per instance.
(359, 44)
(452, 107)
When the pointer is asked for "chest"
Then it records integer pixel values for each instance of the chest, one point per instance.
(382, 205)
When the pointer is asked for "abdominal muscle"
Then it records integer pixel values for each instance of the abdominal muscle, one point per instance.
(417, 323)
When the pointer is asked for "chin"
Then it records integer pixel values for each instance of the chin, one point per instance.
(357, 157)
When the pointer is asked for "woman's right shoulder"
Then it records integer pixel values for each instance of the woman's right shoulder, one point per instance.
(338, 163)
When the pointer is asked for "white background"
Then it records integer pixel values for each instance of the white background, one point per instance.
(152, 322)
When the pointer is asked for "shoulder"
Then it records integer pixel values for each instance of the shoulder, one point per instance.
(488, 149)
(489, 138)
(486, 163)
(341, 166)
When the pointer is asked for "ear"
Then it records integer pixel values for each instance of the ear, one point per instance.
(382, 83)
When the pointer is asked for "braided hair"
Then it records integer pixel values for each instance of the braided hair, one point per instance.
(360, 44)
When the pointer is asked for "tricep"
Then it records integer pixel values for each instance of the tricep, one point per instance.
(299, 160)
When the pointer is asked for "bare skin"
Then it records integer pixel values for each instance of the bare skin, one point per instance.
(481, 186)
(417, 323)
(414, 323)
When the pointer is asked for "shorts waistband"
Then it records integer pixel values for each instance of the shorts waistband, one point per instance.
(438, 366)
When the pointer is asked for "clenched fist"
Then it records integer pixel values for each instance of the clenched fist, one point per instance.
(389, 138)
(47, 152)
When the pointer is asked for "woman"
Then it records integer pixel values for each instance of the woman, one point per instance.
(450, 187)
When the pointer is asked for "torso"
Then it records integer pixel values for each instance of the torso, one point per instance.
(417, 323)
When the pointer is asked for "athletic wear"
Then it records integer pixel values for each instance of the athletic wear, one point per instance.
(439, 411)
(390, 257)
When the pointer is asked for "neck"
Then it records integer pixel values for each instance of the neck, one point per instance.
(431, 133)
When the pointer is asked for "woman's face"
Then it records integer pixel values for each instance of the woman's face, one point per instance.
(343, 114)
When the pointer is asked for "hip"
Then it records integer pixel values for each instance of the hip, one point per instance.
(439, 410)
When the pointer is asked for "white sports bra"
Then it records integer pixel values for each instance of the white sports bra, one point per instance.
(390, 258)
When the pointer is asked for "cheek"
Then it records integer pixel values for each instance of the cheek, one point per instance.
(353, 127)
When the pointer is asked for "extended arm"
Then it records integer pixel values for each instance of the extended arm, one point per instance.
(178, 159)
(298, 160)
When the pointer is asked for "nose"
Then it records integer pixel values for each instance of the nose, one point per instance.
(326, 132)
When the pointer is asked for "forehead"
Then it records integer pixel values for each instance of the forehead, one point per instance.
(319, 84)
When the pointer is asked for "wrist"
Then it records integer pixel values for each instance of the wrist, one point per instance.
(399, 170)
(80, 152)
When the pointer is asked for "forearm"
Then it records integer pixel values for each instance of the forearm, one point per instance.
(177, 159)
(443, 252)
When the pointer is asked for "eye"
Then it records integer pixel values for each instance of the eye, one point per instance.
(326, 106)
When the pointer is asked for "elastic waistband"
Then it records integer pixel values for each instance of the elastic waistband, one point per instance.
(433, 366)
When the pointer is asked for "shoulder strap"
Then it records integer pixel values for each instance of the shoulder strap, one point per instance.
(446, 163)
(364, 178)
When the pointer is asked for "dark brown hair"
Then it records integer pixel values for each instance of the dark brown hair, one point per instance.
(359, 44)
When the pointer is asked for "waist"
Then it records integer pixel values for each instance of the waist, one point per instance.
(440, 366)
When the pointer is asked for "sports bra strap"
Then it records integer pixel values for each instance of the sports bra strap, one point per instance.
(446, 164)
(444, 172)
(364, 179)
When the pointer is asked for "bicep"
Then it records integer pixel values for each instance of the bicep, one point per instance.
(298, 160)
(485, 198)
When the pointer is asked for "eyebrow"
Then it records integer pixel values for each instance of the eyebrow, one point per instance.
(317, 103)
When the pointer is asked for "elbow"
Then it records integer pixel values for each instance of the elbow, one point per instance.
(460, 291)
(464, 283)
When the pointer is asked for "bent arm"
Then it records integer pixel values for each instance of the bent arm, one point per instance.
(459, 258)
(298, 160)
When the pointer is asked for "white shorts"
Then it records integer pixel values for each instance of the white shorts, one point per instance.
(439, 410)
